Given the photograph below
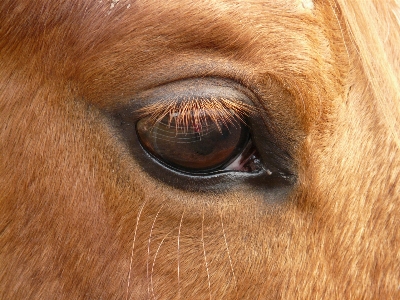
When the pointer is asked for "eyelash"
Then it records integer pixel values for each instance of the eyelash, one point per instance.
(222, 111)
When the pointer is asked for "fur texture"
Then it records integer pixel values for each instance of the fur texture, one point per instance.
(81, 219)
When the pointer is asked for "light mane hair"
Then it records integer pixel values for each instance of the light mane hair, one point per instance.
(373, 26)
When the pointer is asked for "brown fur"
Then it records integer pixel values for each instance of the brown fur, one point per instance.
(80, 219)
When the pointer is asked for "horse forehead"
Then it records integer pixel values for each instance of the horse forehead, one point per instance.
(300, 5)
(220, 7)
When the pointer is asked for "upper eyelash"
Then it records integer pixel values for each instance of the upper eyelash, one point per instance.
(221, 111)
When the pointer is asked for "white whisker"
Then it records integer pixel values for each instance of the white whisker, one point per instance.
(148, 247)
(205, 256)
(154, 262)
(133, 247)
(227, 250)
(179, 235)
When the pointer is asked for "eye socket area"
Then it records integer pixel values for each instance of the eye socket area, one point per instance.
(204, 134)
(199, 142)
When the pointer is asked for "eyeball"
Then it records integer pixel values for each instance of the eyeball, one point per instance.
(196, 145)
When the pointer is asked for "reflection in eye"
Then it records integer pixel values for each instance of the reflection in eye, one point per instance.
(199, 140)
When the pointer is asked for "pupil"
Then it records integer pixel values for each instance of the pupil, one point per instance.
(200, 147)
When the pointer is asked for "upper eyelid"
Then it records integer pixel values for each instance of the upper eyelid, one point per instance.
(193, 87)
(195, 95)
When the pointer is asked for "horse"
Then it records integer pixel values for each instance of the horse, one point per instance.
(199, 149)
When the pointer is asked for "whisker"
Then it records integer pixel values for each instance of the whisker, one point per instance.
(227, 250)
(148, 247)
(179, 235)
(154, 262)
(204, 252)
(133, 247)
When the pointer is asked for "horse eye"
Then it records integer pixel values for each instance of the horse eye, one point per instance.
(198, 145)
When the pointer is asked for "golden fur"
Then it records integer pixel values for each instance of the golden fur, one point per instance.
(81, 219)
